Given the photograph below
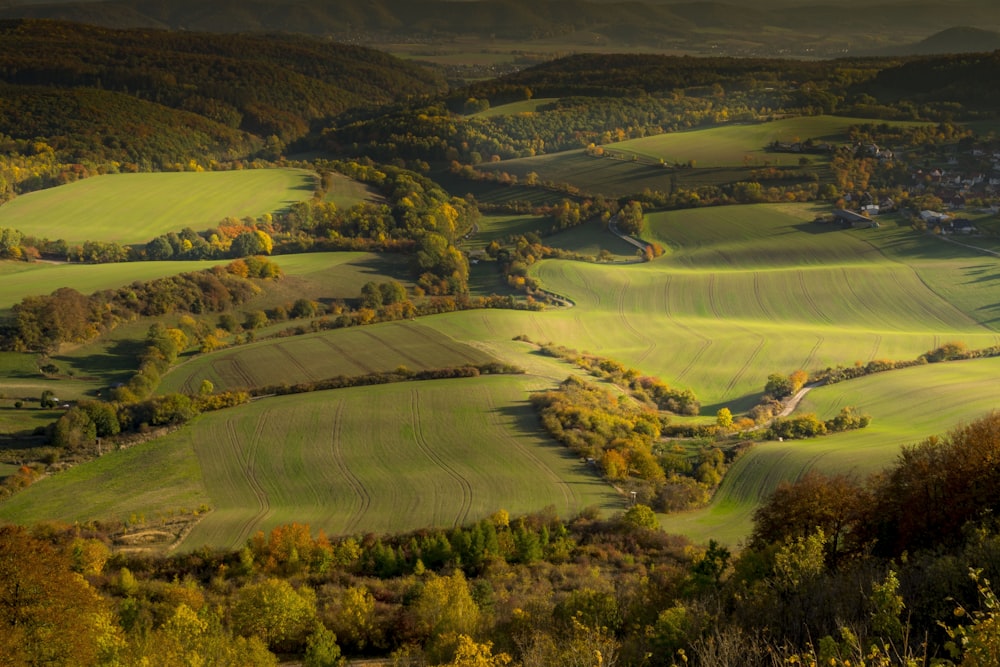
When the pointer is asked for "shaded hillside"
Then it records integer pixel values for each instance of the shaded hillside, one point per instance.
(962, 39)
(732, 27)
(262, 84)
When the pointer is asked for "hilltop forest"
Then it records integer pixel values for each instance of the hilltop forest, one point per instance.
(332, 427)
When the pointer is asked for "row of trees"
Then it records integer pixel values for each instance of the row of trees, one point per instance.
(42, 323)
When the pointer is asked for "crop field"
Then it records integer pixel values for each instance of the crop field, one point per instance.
(312, 357)
(134, 208)
(368, 459)
(906, 406)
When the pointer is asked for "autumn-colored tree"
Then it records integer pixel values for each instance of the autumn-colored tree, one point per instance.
(50, 615)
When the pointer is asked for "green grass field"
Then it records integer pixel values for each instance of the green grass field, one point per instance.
(372, 459)
(312, 357)
(906, 406)
(134, 208)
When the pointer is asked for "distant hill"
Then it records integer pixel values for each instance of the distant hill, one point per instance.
(953, 40)
(765, 27)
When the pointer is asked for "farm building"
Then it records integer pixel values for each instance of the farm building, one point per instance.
(852, 219)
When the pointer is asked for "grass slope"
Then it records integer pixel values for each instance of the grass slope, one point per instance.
(312, 357)
(134, 208)
(368, 459)
(906, 407)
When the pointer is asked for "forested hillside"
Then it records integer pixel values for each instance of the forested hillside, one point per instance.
(263, 85)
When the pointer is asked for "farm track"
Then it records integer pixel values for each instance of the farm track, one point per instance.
(420, 331)
(466, 506)
(765, 311)
(706, 342)
(569, 495)
(238, 370)
(378, 341)
(339, 351)
(745, 367)
(306, 373)
(357, 486)
(651, 344)
(712, 304)
(875, 347)
(810, 360)
(248, 459)
(818, 312)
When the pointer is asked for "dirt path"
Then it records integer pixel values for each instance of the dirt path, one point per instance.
(793, 402)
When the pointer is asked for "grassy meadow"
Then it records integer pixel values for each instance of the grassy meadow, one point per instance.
(134, 208)
(371, 459)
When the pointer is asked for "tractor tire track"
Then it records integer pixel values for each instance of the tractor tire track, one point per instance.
(875, 347)
(247, 458)
(745, 367)
(294, 361)
(357, 486)
(807, 295)
(712, 304)
(569, 494)
(651, 344)
(339, 351)
(417, 363)
(757, 292)
(810, 360)
(466, 506)
(706, 342)
(437, 339)
(238, 373)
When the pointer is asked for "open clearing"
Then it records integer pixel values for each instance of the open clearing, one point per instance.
(370, 459)
(134, 208)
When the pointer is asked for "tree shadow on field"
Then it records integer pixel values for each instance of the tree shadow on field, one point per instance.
(115, 363)
(523, 420)
(820, 227)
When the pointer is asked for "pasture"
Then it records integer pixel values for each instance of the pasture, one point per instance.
(345, 192)
(370, 459)
(134, 208)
